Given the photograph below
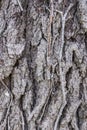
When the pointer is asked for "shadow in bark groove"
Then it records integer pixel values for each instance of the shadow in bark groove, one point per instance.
(68, 74)
(23, 113)
(80, 117)
(85, 41)
(34, 90)
(63, 114)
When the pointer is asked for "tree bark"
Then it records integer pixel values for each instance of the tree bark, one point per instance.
(43, 65)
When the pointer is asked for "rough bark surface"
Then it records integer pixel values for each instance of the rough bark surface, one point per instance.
(43, 65)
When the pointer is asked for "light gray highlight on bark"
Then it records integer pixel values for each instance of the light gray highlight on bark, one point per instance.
(83, 13)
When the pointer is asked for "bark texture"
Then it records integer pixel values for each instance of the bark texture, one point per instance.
(43, 65)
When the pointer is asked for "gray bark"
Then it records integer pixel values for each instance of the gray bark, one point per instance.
(43, 65)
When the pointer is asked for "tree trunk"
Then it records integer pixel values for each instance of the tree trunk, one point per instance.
(43, 65)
